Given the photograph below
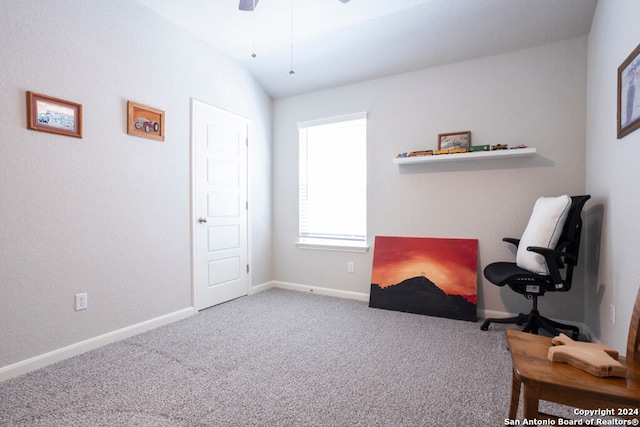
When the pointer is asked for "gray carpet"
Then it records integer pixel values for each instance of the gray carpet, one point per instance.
(278, 358)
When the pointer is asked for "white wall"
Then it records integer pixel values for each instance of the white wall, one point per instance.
(108, 214)
(536, 97)
(612, 176)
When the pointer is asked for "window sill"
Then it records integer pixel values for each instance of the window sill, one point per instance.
(332, 245)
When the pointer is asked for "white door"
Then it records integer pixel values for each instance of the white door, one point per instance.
(220, 205)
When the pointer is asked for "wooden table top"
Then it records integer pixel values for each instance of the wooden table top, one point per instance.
(532, 367)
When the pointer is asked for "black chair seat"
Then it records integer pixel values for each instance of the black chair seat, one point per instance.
(504, 273)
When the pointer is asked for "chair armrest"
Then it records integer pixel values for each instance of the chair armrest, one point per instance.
(553, 259)
(511, 240)
(549, 253)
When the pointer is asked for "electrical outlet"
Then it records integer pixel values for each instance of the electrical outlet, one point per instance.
(81, 301)
(612, 314)
(351, 267)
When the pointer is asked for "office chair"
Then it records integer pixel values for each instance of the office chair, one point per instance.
(549, 246)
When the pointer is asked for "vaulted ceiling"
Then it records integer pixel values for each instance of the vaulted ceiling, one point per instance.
(328, 43)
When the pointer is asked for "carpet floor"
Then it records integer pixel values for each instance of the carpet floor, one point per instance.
(279, 358)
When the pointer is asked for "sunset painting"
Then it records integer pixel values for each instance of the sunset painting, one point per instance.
(432, 276)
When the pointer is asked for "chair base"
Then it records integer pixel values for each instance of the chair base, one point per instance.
(533, 323)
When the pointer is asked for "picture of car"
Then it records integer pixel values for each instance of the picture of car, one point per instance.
(146, 124)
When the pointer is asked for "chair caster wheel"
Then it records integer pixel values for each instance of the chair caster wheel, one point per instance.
(485, 326)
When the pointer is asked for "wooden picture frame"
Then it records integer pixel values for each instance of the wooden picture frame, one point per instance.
(145, 121)
(54, 115)
(628, 99)
(448, 141)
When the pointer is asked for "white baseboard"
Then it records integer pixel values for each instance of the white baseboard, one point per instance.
(483, 314)
(261, 287)
(37, 362)
(360, 296)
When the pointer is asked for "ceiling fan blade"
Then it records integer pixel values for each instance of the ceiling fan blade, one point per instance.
(249, 5)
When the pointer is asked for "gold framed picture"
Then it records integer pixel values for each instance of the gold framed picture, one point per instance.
(144, 121)
(54, 115)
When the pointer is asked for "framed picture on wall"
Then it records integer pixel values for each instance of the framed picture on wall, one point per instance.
(628, 96)
(54, 115)
(448, 141)
(145, 121)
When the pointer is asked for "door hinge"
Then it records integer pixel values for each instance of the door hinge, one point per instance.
(246, 205)
(246, 140)
(247, 268)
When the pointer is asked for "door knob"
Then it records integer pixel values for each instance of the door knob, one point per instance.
(202, 220)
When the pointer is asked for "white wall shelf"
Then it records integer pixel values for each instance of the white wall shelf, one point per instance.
(475, 155)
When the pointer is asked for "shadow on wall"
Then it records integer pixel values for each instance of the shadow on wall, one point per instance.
(594, 293)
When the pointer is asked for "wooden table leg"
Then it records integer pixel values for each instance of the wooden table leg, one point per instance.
(515, 396)
(531, 400)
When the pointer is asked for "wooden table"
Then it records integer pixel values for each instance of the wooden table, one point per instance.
(542, 379)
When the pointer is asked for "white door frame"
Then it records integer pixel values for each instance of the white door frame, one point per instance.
(193, 214)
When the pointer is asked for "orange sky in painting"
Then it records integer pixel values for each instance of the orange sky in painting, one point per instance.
(449, 263)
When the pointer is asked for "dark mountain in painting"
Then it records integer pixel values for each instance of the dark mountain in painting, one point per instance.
(420, 295)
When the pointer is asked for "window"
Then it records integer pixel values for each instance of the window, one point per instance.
(333, 183)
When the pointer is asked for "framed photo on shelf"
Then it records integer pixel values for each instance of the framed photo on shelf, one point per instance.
(448, 141)
(628, 98)
(54, 115)
(145, 121)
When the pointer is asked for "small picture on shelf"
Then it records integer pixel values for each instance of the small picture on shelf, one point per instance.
(448, 141)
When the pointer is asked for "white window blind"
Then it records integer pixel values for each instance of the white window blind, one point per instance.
(333, 179)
